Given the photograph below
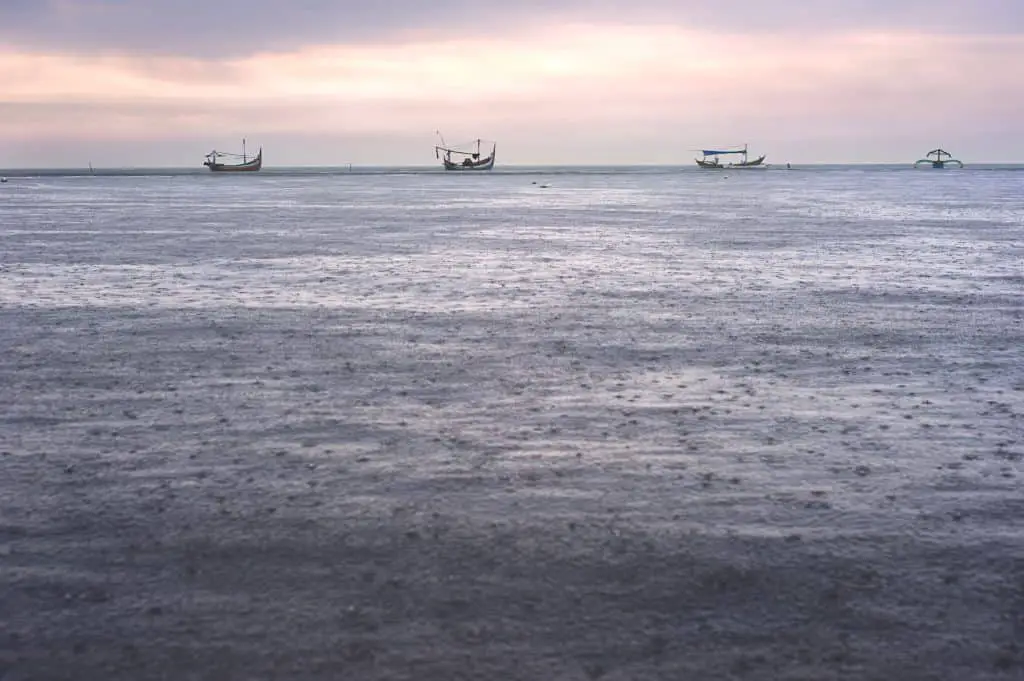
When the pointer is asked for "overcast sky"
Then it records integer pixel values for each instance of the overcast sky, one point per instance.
(321, 82)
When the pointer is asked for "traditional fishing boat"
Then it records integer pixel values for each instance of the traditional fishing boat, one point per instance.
(716, 164)
(245, 166)
(938, 158)
(464, 157)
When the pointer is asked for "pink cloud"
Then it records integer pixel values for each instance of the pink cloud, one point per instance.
(589, 80)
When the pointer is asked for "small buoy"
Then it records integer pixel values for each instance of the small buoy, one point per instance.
(3, 179)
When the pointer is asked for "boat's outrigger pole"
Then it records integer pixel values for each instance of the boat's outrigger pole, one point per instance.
(941, 158)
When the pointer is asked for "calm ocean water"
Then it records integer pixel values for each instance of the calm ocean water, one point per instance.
(782, 328)
(605, 422)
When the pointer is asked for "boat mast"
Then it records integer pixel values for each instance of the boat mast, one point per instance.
(442, 147)
(243, 150)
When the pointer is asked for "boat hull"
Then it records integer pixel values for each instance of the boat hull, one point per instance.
(252, 166)
(939, 165)
(485, 164)
(711, 165)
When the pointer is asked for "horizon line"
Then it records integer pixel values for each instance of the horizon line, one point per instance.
(200, 169)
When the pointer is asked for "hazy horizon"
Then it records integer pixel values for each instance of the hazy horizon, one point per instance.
(685, 164)
(159, 84)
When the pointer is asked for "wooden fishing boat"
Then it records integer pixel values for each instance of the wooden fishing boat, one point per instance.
(716, 164)
(465, 157)
(246, 165)
(938, 158)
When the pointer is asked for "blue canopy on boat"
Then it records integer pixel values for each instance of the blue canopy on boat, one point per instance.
(714, 152)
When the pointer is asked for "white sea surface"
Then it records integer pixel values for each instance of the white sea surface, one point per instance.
(592, 423)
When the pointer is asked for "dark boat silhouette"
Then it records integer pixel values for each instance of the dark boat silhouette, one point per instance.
(215, 165)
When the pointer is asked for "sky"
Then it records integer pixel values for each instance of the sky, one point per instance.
(159, 83)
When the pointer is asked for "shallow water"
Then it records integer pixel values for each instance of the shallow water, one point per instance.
(829, 361)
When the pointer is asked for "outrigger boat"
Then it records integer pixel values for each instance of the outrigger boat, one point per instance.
(941, 158)
(464, 158)
(246, 166)
(716, 164)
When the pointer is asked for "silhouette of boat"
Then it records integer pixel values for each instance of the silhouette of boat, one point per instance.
(716, 164)
(467, 157)
(938, 158)
(246, 166)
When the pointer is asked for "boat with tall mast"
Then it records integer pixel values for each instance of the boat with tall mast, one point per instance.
(465, 157)
(716, 164)
(215, 165)
(938, 158)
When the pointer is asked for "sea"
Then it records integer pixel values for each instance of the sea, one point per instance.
(549, 422)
